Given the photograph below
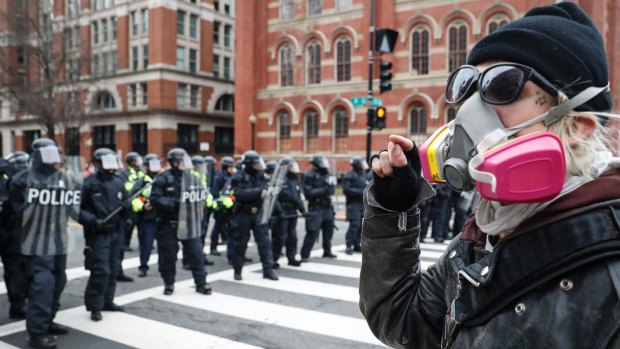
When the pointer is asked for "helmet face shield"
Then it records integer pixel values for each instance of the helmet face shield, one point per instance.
(109, 162)
(295, 168)
(323, 163)
(154, 165)
(139, 161)
(259, 165)
(50, 154)
(187, 162)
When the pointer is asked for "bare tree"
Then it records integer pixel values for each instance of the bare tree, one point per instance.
(42, 69)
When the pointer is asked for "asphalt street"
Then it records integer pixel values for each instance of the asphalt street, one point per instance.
(312, 306)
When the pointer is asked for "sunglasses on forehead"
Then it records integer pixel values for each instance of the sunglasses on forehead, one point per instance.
(499, 84)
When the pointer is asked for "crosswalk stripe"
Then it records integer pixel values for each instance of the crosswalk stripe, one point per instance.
(357, 257)
(121, 327)
(436, 246)
(296, 318)
(327, 269)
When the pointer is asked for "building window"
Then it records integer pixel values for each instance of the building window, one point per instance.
(224, 140)
(284, 126)
(72, 142)
(216, 5)
(216, 66)
(343, 5)
(133, 94)
(193, 26)
(287, 9)
(134, 23)
(192, 60)
(227, 7)
(227, 30)
(145, 22)
(180, 58)
(104, 29)
(312, 131)
(95, 27)
(496, 22)
(417, 119)
(187, 138)
(450, 114)
(181, 91)
(343, 59)
(104, 101)
(341, 122)
(181, 22)
(145, 93)
(216, 33)
(104, 137)
(457, 49)
(194, 93)
(314, 63)
(104, 63)
(134, 58)
(286, 66)
(419, 51)
(139, 138)
(227, 68)
(29, 137)
(114, 24)
(114, 60)
(225, 103)
(145, 56)
(315, 7)
(95, 65)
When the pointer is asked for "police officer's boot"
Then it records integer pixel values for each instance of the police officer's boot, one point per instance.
(294, 262)
(271, 275)
(204, 288)
(96, 315)
(168, 289)
(57, 329)
(349, 250)
(329, 254)
(42, 342)
(238, 274)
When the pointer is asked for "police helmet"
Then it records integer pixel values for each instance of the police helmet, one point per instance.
(227, 161)
(270, 167)
(320, 162)
(358, 163)
(287, 160)
(210, 160)
(19, 159)
(178, 155)
(133, 159)
(197, 160)
(105, 159)
(252, 161)
(44, 150)
(152, 163)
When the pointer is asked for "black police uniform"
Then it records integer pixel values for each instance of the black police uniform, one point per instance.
(102, 193)
(289, 202)
(15, 265)
(353, 185)
(318, 191)
(166, 195)
(247, 187)
(222, 215)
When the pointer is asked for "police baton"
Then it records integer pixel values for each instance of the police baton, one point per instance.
(128, 200)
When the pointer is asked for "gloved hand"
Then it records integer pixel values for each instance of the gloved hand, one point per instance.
(126, 204)
(100, 223)
(397, 174)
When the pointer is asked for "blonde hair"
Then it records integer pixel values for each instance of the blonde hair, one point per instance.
(579, 156)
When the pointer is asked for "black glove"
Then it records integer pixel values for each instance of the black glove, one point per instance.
(100, 224)
(127, 205)
(398, 193)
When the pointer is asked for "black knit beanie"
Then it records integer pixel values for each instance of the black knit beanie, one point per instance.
(561, 42)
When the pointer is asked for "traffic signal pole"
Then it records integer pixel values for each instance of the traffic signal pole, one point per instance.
(370, 103)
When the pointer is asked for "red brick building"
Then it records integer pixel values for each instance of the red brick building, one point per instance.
(155, 75)
(300, 62)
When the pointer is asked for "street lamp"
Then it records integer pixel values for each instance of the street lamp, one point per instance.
(252, 125)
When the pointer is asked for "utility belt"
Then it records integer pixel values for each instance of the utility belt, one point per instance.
(169, 223)
(289, 205)
(321, 203)
(246, 209)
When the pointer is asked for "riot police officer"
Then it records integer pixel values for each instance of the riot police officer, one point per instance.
(19, 159)
(353, 185)
(104, 207)
(210, 163)
(146, 215)
(179, 198)
(43, 198)
(15, 266)
(289, 201)
(200, 170)
(221, 212)
(318, 187)
(249, 186)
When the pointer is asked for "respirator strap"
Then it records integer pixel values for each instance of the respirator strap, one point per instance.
(489, 141)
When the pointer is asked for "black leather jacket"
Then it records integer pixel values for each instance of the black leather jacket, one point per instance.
(553, 285)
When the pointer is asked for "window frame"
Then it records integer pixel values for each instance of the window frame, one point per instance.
(458, 36)
(343, 61)
(313, 63)
(421, 51)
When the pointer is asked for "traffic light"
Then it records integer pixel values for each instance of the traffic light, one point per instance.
(385, 76)
(380, 118)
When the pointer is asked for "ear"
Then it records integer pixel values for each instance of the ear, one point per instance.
(584, 125)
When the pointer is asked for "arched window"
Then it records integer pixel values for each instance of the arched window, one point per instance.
(104, 101)
(419, 50)
(313, 62)
(312, 131)
(225, 103)
(450, 113)
(343, 59)
(341, 126)
(496, 22)
(284, 131)
(457, 45)
(286, 65)
(417, 119)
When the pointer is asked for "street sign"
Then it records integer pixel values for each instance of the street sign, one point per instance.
(360, 102)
